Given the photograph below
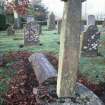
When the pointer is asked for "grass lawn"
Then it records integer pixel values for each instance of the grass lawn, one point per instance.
(48, 39)
(92, 68)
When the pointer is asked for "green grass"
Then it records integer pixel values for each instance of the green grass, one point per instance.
(93, 68)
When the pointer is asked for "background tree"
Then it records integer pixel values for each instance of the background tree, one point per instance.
(40, 12)
(20, 6)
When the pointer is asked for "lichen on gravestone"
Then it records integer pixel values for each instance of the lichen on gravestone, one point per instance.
(31, 34)
(90, 41)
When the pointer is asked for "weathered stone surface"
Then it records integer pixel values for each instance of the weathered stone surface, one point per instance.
(42, 68)
(91, 41)
(31, 34)
(69, 48)
(91, 20)
(51, 22)
(83, 96)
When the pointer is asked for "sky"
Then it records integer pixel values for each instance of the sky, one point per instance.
(90, 7)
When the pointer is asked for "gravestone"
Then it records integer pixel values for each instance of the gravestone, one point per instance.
(91, 20)
(51, 22)
(31, 34)
(90, 41)
(42, 67)
(59, 23)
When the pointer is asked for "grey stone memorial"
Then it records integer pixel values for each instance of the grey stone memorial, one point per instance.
(51, 22)
(31, 34)
(91, 20)
(90, 41)
(59, 23)
(82, 26)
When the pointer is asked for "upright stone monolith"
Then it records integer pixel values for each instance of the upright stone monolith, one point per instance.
(82, 26)
(91, 20)
(51, 21)
(69, 48)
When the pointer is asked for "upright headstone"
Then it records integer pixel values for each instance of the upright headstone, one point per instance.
(91, 41)
(31, 34)
(91, 20)
(51, 22)
(59, 23)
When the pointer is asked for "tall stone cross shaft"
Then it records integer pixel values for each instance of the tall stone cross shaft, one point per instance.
(69, 48)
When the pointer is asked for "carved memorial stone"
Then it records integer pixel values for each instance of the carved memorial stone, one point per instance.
(31, 34)
(91, 41)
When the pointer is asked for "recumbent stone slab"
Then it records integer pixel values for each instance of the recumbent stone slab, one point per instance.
(84, 97)
(42, 67)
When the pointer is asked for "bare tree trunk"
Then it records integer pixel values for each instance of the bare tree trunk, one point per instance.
(69, 49)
